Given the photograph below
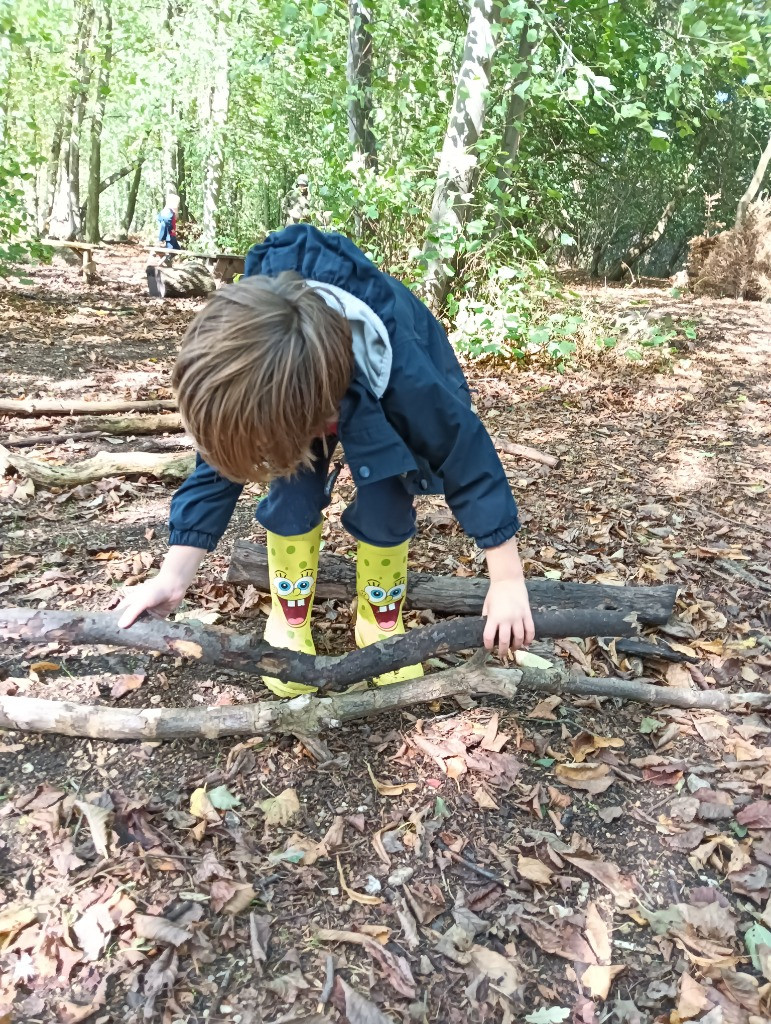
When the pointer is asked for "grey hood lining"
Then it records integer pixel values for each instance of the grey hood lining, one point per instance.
(371, 344)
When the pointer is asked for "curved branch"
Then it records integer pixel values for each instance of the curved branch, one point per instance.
(247, 654)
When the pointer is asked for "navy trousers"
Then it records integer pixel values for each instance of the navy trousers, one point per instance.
(381, 513)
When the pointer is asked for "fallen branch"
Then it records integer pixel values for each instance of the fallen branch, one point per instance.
(172, 467)
(464, 596)
(309, 715)
(161, 423)
(50, 439)
(50, 407)
(523, 451)
(244, 653)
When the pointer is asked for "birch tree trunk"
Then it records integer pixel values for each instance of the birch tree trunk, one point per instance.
(359, 74)
(452, 196)
(97, 124)
(754, 186)
(218, 116)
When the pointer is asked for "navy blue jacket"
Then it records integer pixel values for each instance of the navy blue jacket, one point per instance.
(422, 429)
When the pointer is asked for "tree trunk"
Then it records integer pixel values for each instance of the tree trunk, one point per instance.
(172, 467)
(452, 199)
(463, 596)
(219, 97)
(598, 252)
(754, 186)
(97, 126)
(359, 73)
(64, 216)
(131, 203)
(516, 107)
(632, 256)
(52, 173)
(72, 170)
(181, 171)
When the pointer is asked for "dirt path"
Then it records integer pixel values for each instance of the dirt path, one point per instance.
(572, 860)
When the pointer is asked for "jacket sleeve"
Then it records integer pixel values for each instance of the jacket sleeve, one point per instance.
(202, 508)
(436, 421)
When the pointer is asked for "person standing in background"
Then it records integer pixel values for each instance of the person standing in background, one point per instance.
(167, 220)
(296, 206)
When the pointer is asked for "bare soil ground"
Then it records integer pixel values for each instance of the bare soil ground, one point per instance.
(562, 860)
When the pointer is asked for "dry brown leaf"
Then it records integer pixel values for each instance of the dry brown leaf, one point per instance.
(587, 776)
(279, 810)
(534, 870)
(558, 798)
(359, 1009)
(202, 807)
(692, 998)
(455, 767)
(98, 819)
(563, 940)
(357, 897)
(545, 708)
(743, 989)
(499, 971)
(377, 842)
(44, 666)
(162, 974)
(287, 986)
(607, 875)
(597, 979)
(379, 932)
(391, 789)
(597, 933)
(158, 929)
(397, 969)
(756, 815)
(126, 683)
(93, 930)
(13, 920)
(240, 900)
(586, 743)
(484, 799)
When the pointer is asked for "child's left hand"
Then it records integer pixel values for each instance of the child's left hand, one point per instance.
(507, 608)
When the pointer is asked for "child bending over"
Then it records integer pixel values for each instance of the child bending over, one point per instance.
(316, 346)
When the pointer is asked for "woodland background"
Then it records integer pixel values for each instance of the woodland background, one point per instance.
(471, 149)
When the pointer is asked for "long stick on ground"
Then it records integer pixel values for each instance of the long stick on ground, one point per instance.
(463, 596)
(63, 407)
(246, 654)
(309, 715)
(174, 466)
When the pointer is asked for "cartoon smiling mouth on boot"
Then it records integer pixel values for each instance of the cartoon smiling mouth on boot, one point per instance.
(385, 604)
(295, 597)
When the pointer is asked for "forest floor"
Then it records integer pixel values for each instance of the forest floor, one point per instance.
(604, 861)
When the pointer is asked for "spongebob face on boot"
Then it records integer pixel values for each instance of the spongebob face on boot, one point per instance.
(383, 603)
(294, 596)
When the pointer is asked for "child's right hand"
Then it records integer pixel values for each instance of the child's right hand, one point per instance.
(160, 595)
(164, 592)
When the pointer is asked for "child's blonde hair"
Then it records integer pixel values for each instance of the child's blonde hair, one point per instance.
(261, 371)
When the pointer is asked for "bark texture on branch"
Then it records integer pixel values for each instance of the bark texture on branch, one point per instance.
(171, 467)
(464, 596)
(308, 715)
(524, 451)
(160, 423)
(55, 407)
(244, 653)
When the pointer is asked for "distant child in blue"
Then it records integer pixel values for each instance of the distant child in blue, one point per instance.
(315, 346)
(167, 220)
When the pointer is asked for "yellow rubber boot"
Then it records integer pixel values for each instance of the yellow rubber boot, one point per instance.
(381, 586)
(293, 564)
